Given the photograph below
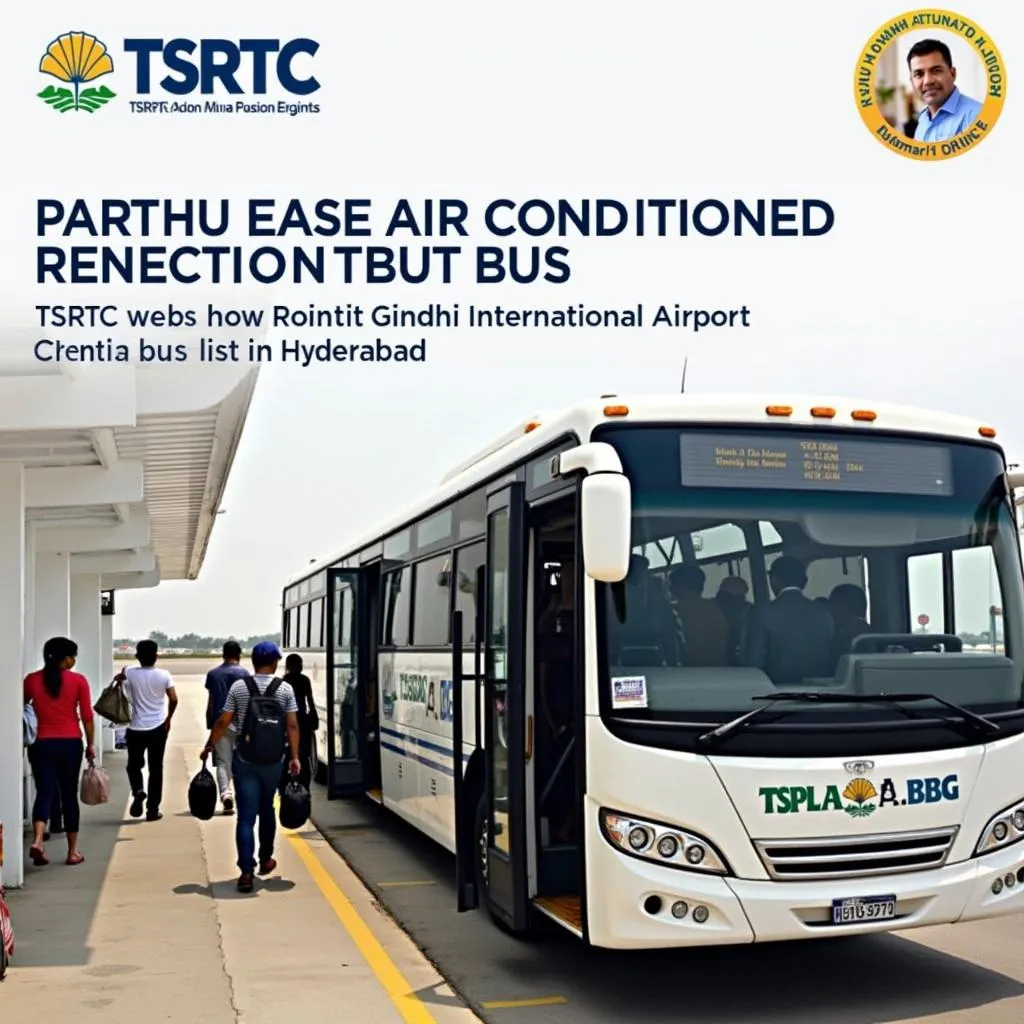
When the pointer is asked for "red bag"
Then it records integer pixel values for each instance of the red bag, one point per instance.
(6, 937)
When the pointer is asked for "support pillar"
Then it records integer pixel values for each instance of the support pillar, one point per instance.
(85, 631)
(107, 668)
(12, 621)
(52, 613)
(30, 658)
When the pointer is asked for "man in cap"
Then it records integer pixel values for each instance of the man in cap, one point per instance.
(257, 775)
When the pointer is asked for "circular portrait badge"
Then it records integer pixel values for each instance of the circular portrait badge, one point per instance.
(930, 84)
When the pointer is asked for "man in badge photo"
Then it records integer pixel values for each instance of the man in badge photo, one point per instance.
(947, 111)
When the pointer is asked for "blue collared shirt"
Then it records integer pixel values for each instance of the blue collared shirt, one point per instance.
(956, 114)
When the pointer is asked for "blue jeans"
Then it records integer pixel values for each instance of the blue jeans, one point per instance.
(255, 788)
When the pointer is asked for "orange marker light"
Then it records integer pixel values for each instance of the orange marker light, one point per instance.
(987, 431)
(823, 412)
(616, 410)
(532, 425)
(779, 410)
(865, 415)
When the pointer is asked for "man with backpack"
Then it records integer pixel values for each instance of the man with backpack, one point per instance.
(265, 712)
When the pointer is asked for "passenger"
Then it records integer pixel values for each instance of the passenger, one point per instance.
(849, 606)
(732, 599)
(218, 682)
(309, 720)
(705, 628)
(791, 638)
(643, 628)
(150, 692)
(256, 782)
(63, 705)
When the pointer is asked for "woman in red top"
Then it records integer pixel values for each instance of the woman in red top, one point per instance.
(63, 703)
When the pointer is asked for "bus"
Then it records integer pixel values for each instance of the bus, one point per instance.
(693, 670)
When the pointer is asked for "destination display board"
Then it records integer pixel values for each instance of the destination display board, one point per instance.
(814, 462)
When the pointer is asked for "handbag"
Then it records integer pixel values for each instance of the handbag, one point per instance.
(95, 788)
(113, 704)
(29, 725)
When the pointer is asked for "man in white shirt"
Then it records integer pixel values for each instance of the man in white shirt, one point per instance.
(153, 701)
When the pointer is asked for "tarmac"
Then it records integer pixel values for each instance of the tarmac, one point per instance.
(151, 926)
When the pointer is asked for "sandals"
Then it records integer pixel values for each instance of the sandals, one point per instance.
(74, 861)
(38, 857)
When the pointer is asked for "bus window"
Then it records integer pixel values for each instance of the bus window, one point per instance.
(396, 619)
(467, 561)
(926, 592)
(430, 608)
(977, 601)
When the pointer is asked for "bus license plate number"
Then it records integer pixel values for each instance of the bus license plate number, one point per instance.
(863, 909)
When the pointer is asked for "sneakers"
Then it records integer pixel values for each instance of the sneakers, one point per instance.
(137, 802)
(229, 806)
(153, 816)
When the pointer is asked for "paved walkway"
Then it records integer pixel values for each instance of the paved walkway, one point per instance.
(152, 928)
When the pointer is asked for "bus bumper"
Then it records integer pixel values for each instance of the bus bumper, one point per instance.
(632, 905)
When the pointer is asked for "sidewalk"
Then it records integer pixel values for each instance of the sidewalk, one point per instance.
(151, 926)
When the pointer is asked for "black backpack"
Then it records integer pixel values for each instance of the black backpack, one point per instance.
(262, 740)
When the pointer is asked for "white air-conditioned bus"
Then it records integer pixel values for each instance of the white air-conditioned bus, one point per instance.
(694, 670)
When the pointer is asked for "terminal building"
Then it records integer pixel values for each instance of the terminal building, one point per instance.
(111, 478)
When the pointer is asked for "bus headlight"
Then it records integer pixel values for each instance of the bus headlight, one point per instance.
(1004, 829)
(663, 844)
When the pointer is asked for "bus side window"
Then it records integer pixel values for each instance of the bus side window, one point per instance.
(926, 594)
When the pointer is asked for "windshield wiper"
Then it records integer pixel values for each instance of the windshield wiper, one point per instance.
(978, 725)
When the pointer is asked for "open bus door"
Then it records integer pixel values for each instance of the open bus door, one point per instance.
(504, 843)
(348, 665)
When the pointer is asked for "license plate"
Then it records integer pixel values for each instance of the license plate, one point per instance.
(861, 909)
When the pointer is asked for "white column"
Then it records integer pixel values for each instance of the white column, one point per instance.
(85, 631)
(52, 615)
(107, 667)
(12, 618)
(32, 658)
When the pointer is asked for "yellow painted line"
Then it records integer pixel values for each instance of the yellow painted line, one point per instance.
(398, 989)
(511, 1004)
(395, 885)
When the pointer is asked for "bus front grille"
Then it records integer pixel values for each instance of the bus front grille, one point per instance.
(801, 860)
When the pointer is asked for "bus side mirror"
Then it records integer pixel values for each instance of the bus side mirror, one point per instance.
(607, 520)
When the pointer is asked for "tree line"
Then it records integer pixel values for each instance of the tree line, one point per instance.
(199, 644)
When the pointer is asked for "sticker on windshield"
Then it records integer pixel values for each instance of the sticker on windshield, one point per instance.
(629, 692)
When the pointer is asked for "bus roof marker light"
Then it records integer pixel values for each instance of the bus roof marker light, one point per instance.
(779, 410)
(616, 410)
(864, 415)
(987, 431)
(532, 425)
(823, 412)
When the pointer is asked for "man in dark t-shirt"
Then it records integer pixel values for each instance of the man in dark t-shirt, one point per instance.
(218, 682)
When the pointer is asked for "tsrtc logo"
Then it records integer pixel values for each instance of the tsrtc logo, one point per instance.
(225, 69)
(76, 59)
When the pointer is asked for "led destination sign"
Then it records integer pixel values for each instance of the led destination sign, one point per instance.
(814, 462)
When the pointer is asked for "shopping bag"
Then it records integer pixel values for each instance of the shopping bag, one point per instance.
(295, 805)
(113, 704)
(95, 788)
(202, 795)
(6, 937)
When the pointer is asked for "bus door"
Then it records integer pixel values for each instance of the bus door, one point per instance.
(504, 851)
(348, 667)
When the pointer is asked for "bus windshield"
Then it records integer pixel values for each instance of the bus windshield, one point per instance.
(779, 559)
